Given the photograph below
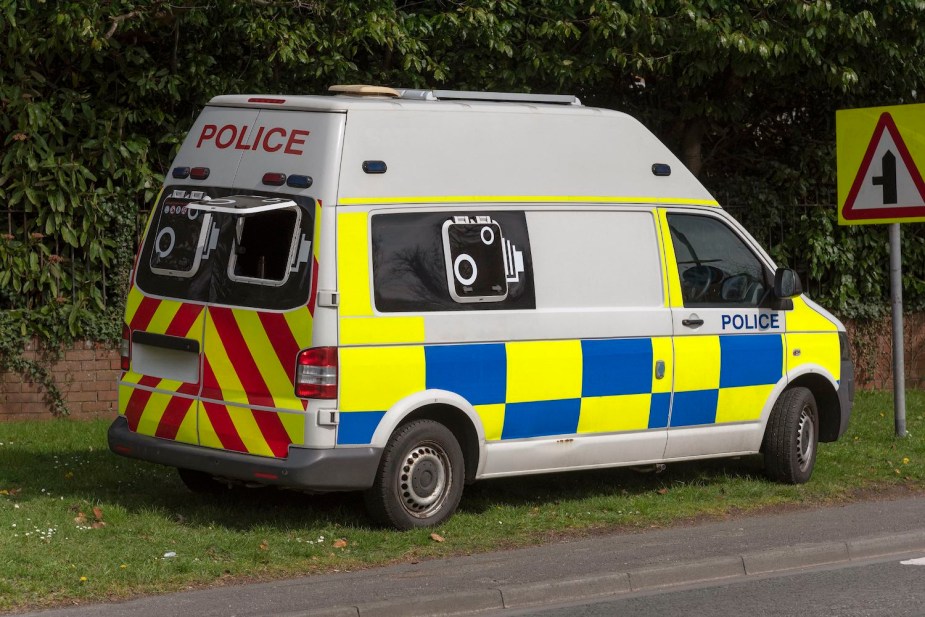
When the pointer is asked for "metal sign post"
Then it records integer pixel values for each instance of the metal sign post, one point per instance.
(879, 182)
(896, 300)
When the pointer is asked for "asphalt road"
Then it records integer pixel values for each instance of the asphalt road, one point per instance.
(887, 589)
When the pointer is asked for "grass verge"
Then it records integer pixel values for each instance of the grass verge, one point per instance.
(80, 524)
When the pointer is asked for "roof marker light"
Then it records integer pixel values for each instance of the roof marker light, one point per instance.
(298, 181)
(374, 167)
(181, 172)
(258, 99)
(274, 179)
(199, 173)
(661, 169)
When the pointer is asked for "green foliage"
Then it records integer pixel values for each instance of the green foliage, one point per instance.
(96, 96)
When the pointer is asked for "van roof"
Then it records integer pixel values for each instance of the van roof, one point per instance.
(448, 146)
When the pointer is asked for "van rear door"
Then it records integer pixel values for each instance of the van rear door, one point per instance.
(262, 315)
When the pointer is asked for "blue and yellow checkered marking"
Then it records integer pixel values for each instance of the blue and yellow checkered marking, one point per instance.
(725, 378)
(528, 389)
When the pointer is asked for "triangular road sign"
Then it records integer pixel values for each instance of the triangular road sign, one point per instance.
(888, 184)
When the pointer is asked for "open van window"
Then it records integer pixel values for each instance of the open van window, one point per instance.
(264, 245)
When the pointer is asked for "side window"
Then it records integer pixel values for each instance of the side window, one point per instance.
(715, 265)
(435, 261)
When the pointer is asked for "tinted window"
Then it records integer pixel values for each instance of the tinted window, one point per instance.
(228, 259)
(715, 265)
(433, 261)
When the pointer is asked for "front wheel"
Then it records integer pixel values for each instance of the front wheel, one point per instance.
(792, 437)
(420, 477)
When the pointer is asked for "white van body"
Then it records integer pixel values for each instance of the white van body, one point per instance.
(485, 284)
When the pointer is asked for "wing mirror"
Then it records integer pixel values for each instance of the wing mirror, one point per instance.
(787, 283)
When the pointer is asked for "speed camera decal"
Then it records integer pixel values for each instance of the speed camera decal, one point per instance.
(451, 261)
(179, 237)
(480, 262)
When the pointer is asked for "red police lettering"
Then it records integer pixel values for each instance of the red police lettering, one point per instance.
(208, 132)
(226, 129)
(268, 139)
(257, 139)
(241, 145)
(294, 139)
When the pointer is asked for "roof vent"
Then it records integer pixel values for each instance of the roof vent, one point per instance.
(360, 90)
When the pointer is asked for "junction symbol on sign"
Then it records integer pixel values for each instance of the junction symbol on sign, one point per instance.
(888, 184)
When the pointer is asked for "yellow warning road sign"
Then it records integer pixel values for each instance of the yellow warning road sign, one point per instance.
(880, 152)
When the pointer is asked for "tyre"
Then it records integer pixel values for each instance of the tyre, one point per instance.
(202, 483)
(792, 437)
(420, 477)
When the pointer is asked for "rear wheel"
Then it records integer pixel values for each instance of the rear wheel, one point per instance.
(792, 437)
(420, 477)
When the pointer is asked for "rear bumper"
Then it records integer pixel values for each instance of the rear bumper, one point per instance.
(333, 469)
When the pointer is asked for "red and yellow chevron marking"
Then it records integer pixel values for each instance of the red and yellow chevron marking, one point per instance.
(249, 362)
(264, 433)
(160, 413)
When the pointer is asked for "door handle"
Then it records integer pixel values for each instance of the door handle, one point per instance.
(694, 322)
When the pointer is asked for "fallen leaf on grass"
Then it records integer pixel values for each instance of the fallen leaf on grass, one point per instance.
(81, 518)
(264, 545)
(97, 513)
(340, 543)
(98, 525)
(662, 491)
(436, 537)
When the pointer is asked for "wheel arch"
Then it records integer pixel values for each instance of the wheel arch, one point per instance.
(448, 409)
(824, 389)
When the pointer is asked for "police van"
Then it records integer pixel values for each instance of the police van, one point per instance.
(405, 291)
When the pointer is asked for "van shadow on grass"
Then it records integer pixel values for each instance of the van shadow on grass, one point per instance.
(630, 482)
(85, 477)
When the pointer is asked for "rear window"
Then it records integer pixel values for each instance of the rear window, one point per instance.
(260, 260)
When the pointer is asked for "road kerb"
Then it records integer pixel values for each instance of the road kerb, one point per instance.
(686, 573)
(562, 592)
(866, 548)
(435, 606)
(793, 557)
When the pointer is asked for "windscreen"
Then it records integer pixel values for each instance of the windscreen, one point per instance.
(260, 260)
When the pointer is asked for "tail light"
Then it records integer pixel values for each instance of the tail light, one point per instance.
(125, 348)
(316, 373)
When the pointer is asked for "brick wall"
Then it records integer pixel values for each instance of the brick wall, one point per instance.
(872, 350)
(87, 373)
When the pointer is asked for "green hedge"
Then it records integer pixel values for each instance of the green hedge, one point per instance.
(96, 96)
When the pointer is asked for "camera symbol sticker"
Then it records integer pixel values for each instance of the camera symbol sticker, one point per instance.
(480, 262)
